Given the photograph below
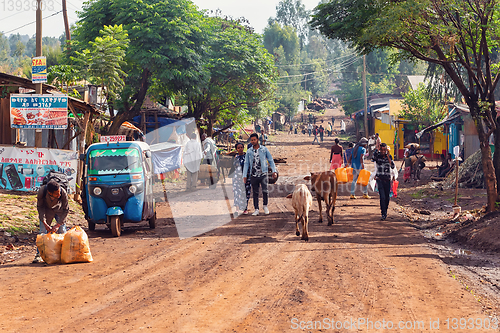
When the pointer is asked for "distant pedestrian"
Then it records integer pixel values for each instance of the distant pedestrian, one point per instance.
(309, 128)
(321, 132)
(315, 132)
(356, 161)
(342, 126)
(291, 129)
(333, 121)
(336, 155)
(347, 154)
(329, 129)
(193, 155)
(263, 138)
(384, 164)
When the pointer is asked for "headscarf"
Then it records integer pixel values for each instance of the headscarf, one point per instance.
(355, 149)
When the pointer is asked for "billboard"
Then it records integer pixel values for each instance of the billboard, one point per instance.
(39, 70)
(23, 169)
(39, 111)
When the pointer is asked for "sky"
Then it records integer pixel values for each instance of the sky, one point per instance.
(20, 19)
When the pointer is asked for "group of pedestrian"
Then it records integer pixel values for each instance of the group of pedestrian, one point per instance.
(354, 157)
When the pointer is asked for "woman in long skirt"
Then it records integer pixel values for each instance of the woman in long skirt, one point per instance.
(241, 190)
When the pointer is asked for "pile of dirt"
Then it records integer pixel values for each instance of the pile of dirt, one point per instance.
(481, 234)
(320, 104)
(470, 173)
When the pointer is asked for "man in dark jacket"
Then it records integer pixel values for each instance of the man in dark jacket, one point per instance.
(384, 163)
(52, 203)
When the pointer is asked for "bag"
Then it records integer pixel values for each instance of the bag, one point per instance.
(206, 170)
(76, 247)
(59, 177)
(395, 185)
(49, 246)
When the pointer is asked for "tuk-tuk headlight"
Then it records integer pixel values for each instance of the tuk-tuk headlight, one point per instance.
(132, 189)
(97, 191)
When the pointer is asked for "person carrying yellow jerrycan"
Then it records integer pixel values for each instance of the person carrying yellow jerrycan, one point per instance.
(356, 161)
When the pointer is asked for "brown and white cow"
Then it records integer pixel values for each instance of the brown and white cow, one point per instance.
(301, 203)
(325, 185)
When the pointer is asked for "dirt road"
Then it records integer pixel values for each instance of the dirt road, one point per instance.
(250, 275)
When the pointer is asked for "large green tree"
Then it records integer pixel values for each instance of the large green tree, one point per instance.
(167, 46)
(457, 35)
(240, 73)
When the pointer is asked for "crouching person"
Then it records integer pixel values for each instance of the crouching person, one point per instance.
(52, 204)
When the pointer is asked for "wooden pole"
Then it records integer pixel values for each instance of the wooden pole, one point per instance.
(66, 24)
(365, 98)
(456, 180)
(38, 87)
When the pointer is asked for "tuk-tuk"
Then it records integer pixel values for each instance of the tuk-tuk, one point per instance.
(118, 185)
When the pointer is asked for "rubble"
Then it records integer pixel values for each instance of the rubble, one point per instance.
(470, 174)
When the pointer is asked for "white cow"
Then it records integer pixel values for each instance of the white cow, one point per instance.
(302, 202)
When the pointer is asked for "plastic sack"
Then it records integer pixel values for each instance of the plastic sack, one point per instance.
(394, 173)
(341, 175)
(76, 247)
(49, 246)
(364, 177)
(395, 185)
(373, 184)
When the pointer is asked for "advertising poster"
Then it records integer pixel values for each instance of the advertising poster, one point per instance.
(23, 169)
(39, 70)
(39, 111)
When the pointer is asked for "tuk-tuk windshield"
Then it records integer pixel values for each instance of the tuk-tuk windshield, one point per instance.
(113, 161)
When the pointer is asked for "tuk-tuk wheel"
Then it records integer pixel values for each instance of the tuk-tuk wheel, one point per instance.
(91, 225)
(152, 221)
(116, 228)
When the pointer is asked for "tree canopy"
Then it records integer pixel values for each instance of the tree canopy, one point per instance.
(457, 35)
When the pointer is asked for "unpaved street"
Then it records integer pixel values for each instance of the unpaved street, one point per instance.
(250, 275)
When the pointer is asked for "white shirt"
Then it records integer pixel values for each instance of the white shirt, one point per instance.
(192, 155)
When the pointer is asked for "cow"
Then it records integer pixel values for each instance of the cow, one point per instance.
(301, 203)
(325, 185)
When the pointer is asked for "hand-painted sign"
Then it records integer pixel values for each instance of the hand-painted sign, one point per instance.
(23, 169)
(39, 70)
(114, 138)
(39, 111)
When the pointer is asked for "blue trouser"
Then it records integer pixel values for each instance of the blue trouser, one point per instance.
(384, 189)
(355, 175)
(315, 140)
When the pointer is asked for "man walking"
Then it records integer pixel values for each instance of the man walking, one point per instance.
(192, 158)
(383, 161)
(257, 160)
(209, 152)
(356, 161)
(315, 132)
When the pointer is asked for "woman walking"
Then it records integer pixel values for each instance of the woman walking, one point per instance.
(241, 190)
(336, 155)
(384, 163)
(356, 161)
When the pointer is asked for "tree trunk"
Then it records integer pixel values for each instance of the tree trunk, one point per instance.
(489, 171)
(125, 115)
(496, 158)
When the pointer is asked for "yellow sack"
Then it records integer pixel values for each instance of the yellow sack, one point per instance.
(49, 246)
(76, 247)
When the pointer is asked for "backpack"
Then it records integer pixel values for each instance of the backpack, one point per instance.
(59, 177)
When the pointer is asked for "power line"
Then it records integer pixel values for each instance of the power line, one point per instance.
(344, 65)
(313, 63)
(32, 22)
(19, 12)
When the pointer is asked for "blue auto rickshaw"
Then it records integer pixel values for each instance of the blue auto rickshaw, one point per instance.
(118, 185)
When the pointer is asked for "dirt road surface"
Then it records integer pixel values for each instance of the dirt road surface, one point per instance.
(251, 275)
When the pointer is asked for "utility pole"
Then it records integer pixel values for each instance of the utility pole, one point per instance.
(38, 87)
(66, 24)
(365, 98)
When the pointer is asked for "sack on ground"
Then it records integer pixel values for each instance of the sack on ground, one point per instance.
(49, 246)
(76, 247)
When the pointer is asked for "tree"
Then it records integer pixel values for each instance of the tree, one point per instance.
(457, 35)
(293, 13)
(241, 73)
(166, 46)
(103, 62)
(276, 35)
